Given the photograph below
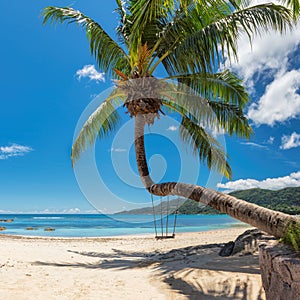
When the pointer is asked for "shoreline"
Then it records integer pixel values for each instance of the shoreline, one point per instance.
(124, 236)
(127, 267)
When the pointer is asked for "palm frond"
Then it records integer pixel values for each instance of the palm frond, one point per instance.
(199, 41)
(294, 5)
(124, 27)
(217, 114)
(100, 123)
(204, 145)
(106, 51)
(145, 16)
(145, 11)
(231, 119)
(224, 86)
(184, 23)
(121, 10)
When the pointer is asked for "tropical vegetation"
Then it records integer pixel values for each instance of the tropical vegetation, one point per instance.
(286, 200)
(292, 236)
(190, 40)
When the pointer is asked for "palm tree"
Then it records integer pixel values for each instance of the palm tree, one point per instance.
(190, 39)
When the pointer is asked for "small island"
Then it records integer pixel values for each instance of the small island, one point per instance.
(31, 228)
(49, 229)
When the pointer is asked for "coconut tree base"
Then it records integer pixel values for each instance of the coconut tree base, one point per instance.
(280, 271)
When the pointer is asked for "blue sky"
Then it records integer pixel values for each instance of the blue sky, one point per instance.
(48, 79)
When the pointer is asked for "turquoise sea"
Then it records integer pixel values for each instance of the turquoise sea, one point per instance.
(98, 225)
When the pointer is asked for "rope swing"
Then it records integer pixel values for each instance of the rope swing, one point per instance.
(164, 207)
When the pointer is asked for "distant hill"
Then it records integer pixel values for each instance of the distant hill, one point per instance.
(184, 206)
(286, 200)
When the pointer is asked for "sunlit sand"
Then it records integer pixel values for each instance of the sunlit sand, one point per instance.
(127, 267)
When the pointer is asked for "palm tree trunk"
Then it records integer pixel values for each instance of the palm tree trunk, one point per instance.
(139, 144)
(270, 221)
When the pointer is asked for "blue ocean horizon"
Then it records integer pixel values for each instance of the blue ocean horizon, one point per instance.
(100, 225)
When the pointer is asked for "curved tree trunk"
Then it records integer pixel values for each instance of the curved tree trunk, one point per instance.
(270, 221)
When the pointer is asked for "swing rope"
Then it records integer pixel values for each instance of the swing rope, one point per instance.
(175, 217)
(161, 218)
(167, 208)
(154, 216)
(167, 221)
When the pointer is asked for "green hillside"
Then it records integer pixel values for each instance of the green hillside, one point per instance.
(286, 200)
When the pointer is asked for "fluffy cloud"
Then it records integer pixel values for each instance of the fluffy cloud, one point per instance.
(280, 101)
(270, 51)
(13, 150)
(268, 59)
(90, 72)
(172, 128)
(291, 180)
(292, 141)
(261, 57)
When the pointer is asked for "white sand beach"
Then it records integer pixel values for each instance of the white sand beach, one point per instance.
(127, 267)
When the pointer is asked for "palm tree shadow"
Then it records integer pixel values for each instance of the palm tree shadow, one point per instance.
(197, 292)
(196, 259)
(117, 259)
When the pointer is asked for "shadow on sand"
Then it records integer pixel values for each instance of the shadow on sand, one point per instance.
(181, 269)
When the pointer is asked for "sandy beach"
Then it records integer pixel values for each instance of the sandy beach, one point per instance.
(127, 267)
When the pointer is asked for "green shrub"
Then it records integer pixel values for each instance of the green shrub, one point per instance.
(292, 235)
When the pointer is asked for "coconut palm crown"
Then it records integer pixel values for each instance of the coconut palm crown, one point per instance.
(190, 40)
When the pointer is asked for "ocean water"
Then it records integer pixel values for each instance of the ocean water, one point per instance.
(99, 225)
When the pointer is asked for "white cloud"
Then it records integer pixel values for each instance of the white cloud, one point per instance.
(90, 72)
(280, 101)
(118, 150)
(254, 145)
(13, 150)
(291, 180)
(268, 59)
(5, 211)
(269, 51)
(172, 128)
(261, 57)
(73, 211)
(292, 141)
(271, 140)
